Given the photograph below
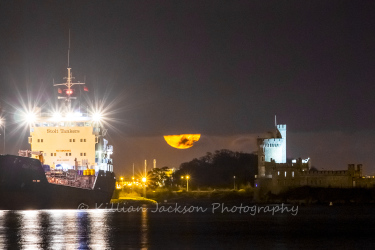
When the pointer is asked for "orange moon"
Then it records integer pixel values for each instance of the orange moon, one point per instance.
(182, 141)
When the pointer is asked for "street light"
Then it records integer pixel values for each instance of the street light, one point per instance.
(144, 179)
(234, 185)
(122, 182)
(187, 182)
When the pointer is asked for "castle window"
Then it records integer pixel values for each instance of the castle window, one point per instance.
(70, 154)
(285, 173)
(84, 154)
(81, 154)
(70, 140)
(41, 140)
(38, 140)
(51, 154)
(54, 154)
(84, 140)
(74, 140)
(66, 154)
(81, 140)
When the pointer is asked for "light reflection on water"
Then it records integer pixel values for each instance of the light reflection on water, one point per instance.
(54, 229)
(144, 228)
(2, 228)
(313, 227)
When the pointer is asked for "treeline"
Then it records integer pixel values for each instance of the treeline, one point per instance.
(221, 169)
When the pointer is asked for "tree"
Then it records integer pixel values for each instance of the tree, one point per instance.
(158, 177)
(218, 169)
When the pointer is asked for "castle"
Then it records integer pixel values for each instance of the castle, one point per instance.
(272, 148)
(276, 175)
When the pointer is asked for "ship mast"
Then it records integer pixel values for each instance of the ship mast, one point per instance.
(69, 84)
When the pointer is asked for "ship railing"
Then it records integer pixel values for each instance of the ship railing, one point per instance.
(78, 183)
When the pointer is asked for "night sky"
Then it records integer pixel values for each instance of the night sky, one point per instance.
(223, 69)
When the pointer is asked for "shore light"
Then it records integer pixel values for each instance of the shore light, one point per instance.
(187, 181)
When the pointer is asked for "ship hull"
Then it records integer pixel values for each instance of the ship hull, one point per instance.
(23, 185)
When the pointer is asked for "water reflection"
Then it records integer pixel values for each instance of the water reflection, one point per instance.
(101, 229)
(54, 229)
(30, 230)
(2, 228)
(144, 228)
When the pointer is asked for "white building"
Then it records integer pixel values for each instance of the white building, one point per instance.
(272, 148)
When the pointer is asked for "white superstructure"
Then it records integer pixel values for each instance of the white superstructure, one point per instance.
(69, 139)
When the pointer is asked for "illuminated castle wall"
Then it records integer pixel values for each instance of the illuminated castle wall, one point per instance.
(272, 148)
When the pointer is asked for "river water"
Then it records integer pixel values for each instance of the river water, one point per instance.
(322, 227)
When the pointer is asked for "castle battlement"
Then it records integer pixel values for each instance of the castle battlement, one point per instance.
(281, 126)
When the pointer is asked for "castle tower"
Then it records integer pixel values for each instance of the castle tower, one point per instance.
(282, 130)
(271, 149)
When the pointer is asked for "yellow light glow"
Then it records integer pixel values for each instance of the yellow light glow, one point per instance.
(182, 141)
(144, 179)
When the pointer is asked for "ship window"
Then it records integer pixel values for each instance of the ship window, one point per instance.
(292, 173)
(285, 173)
(278, 172)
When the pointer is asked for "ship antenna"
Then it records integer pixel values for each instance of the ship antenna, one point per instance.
(69, 48)
(68, 83)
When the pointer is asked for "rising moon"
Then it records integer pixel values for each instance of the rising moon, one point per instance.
(182, 141)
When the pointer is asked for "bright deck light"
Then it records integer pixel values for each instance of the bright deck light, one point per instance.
(97, 117)
(30, 117)
(57, 116)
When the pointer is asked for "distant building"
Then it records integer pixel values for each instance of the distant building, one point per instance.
(272, 147)
(275, 175)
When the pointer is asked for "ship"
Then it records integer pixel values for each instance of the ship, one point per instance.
(69, 165)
